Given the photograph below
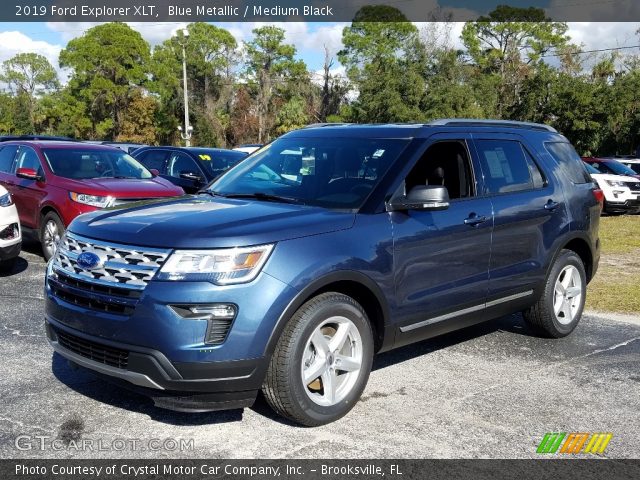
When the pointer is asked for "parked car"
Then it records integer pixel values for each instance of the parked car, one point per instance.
(52, 182)
(248, 148)
(10, 233)
(610, 166)
(291, 284)
(188, 167)
(9, 138)
(621, 192)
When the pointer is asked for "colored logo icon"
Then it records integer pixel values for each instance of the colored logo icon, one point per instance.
(89, 261)
(573, 443)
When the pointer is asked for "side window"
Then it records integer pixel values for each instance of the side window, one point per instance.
(28, 158)
(444, 163)
(154, 159)
(569, 161)
(505, 167)
(536, 174)
(181, 163)
(7, 154)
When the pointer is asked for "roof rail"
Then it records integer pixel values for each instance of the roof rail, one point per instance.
(325, 124)
(459, 122)
(9, 138)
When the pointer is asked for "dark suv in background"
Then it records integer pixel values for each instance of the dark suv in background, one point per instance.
(330, 244)
(191, 168)
(52, 182)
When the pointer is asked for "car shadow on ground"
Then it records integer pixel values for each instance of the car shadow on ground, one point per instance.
(29, 245)
(85, 383)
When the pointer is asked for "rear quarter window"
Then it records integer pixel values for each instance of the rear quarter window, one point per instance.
(569, 161)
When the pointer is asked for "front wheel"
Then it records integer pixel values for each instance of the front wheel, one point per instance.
(322, 361)
(51, 229)
(559, 309)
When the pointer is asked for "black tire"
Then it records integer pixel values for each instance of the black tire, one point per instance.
(6, 266)
(284, 388)
(542, 316)
(43, 234)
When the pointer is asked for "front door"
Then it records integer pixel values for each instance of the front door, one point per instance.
(441, 258)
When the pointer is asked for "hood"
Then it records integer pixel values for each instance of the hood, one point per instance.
(125, 187)
(203, 222)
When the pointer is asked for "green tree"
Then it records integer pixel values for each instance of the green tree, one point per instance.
(274, 73)
(385, 63)
(109, 63)
(211, 54)
(509, 43)
(29, 75)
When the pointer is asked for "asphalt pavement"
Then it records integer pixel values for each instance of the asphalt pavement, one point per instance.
(491, 391)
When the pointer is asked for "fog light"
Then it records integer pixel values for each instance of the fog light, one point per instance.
(10, 233)
(219, 317)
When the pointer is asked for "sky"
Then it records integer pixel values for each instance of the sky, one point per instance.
(309, 38)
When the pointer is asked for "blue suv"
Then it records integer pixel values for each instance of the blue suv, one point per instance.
(327, 246)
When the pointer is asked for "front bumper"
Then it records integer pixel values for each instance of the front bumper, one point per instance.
(11, 251)
(628, 206)
(176, 386)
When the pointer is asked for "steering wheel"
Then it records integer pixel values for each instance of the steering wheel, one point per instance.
(109, 172)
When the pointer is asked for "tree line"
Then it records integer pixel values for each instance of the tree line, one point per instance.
(516, 64)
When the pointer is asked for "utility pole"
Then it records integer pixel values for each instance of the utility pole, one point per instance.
(188, 129)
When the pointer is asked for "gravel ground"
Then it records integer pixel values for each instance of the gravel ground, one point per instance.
(490, 391)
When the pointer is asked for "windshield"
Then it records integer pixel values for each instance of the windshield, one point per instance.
(590, 169)
(328, 172)
(612, 166)
(79, 163)
(217, 161)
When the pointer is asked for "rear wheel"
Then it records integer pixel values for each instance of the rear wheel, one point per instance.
(51, 229)
(322, 361)
(559, 309)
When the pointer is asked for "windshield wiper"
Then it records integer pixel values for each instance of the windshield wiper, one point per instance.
(260, 196)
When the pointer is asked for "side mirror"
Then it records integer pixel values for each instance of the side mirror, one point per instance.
(154, 172)
(28, 173)
(422, 197)
(194, 177)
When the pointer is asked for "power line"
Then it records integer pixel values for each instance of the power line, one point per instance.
(583, 52)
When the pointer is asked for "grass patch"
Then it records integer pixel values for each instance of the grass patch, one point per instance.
(616, 286)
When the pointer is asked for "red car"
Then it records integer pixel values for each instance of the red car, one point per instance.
(610, 166)
(52, 182)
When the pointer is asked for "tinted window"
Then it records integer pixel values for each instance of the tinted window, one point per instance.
(7, 154)
(181, 163)
(569, 161)
(153, 159)
(217, 161)
(505, 167)
(329, 172)
(536, 173)
(28, 158)
(93, 163)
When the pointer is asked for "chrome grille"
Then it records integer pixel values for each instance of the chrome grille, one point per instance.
(122, 265)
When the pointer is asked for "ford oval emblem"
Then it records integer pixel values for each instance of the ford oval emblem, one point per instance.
(89, 261)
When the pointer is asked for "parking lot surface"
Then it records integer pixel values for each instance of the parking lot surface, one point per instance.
(491, 391)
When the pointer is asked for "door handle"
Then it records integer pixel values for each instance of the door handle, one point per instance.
(551, 205)
(474, 220)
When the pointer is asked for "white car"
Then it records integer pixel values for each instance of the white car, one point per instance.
(621, 193)
(10, 233)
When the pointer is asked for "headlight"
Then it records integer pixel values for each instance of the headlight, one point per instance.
(93, 200)
(6, 200)
(223, 267)
(615, 183)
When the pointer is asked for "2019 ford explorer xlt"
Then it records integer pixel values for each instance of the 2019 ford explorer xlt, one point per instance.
(52, 182)
(329, 245)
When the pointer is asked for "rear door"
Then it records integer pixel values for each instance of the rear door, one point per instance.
(441, 258)
(529, 213)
